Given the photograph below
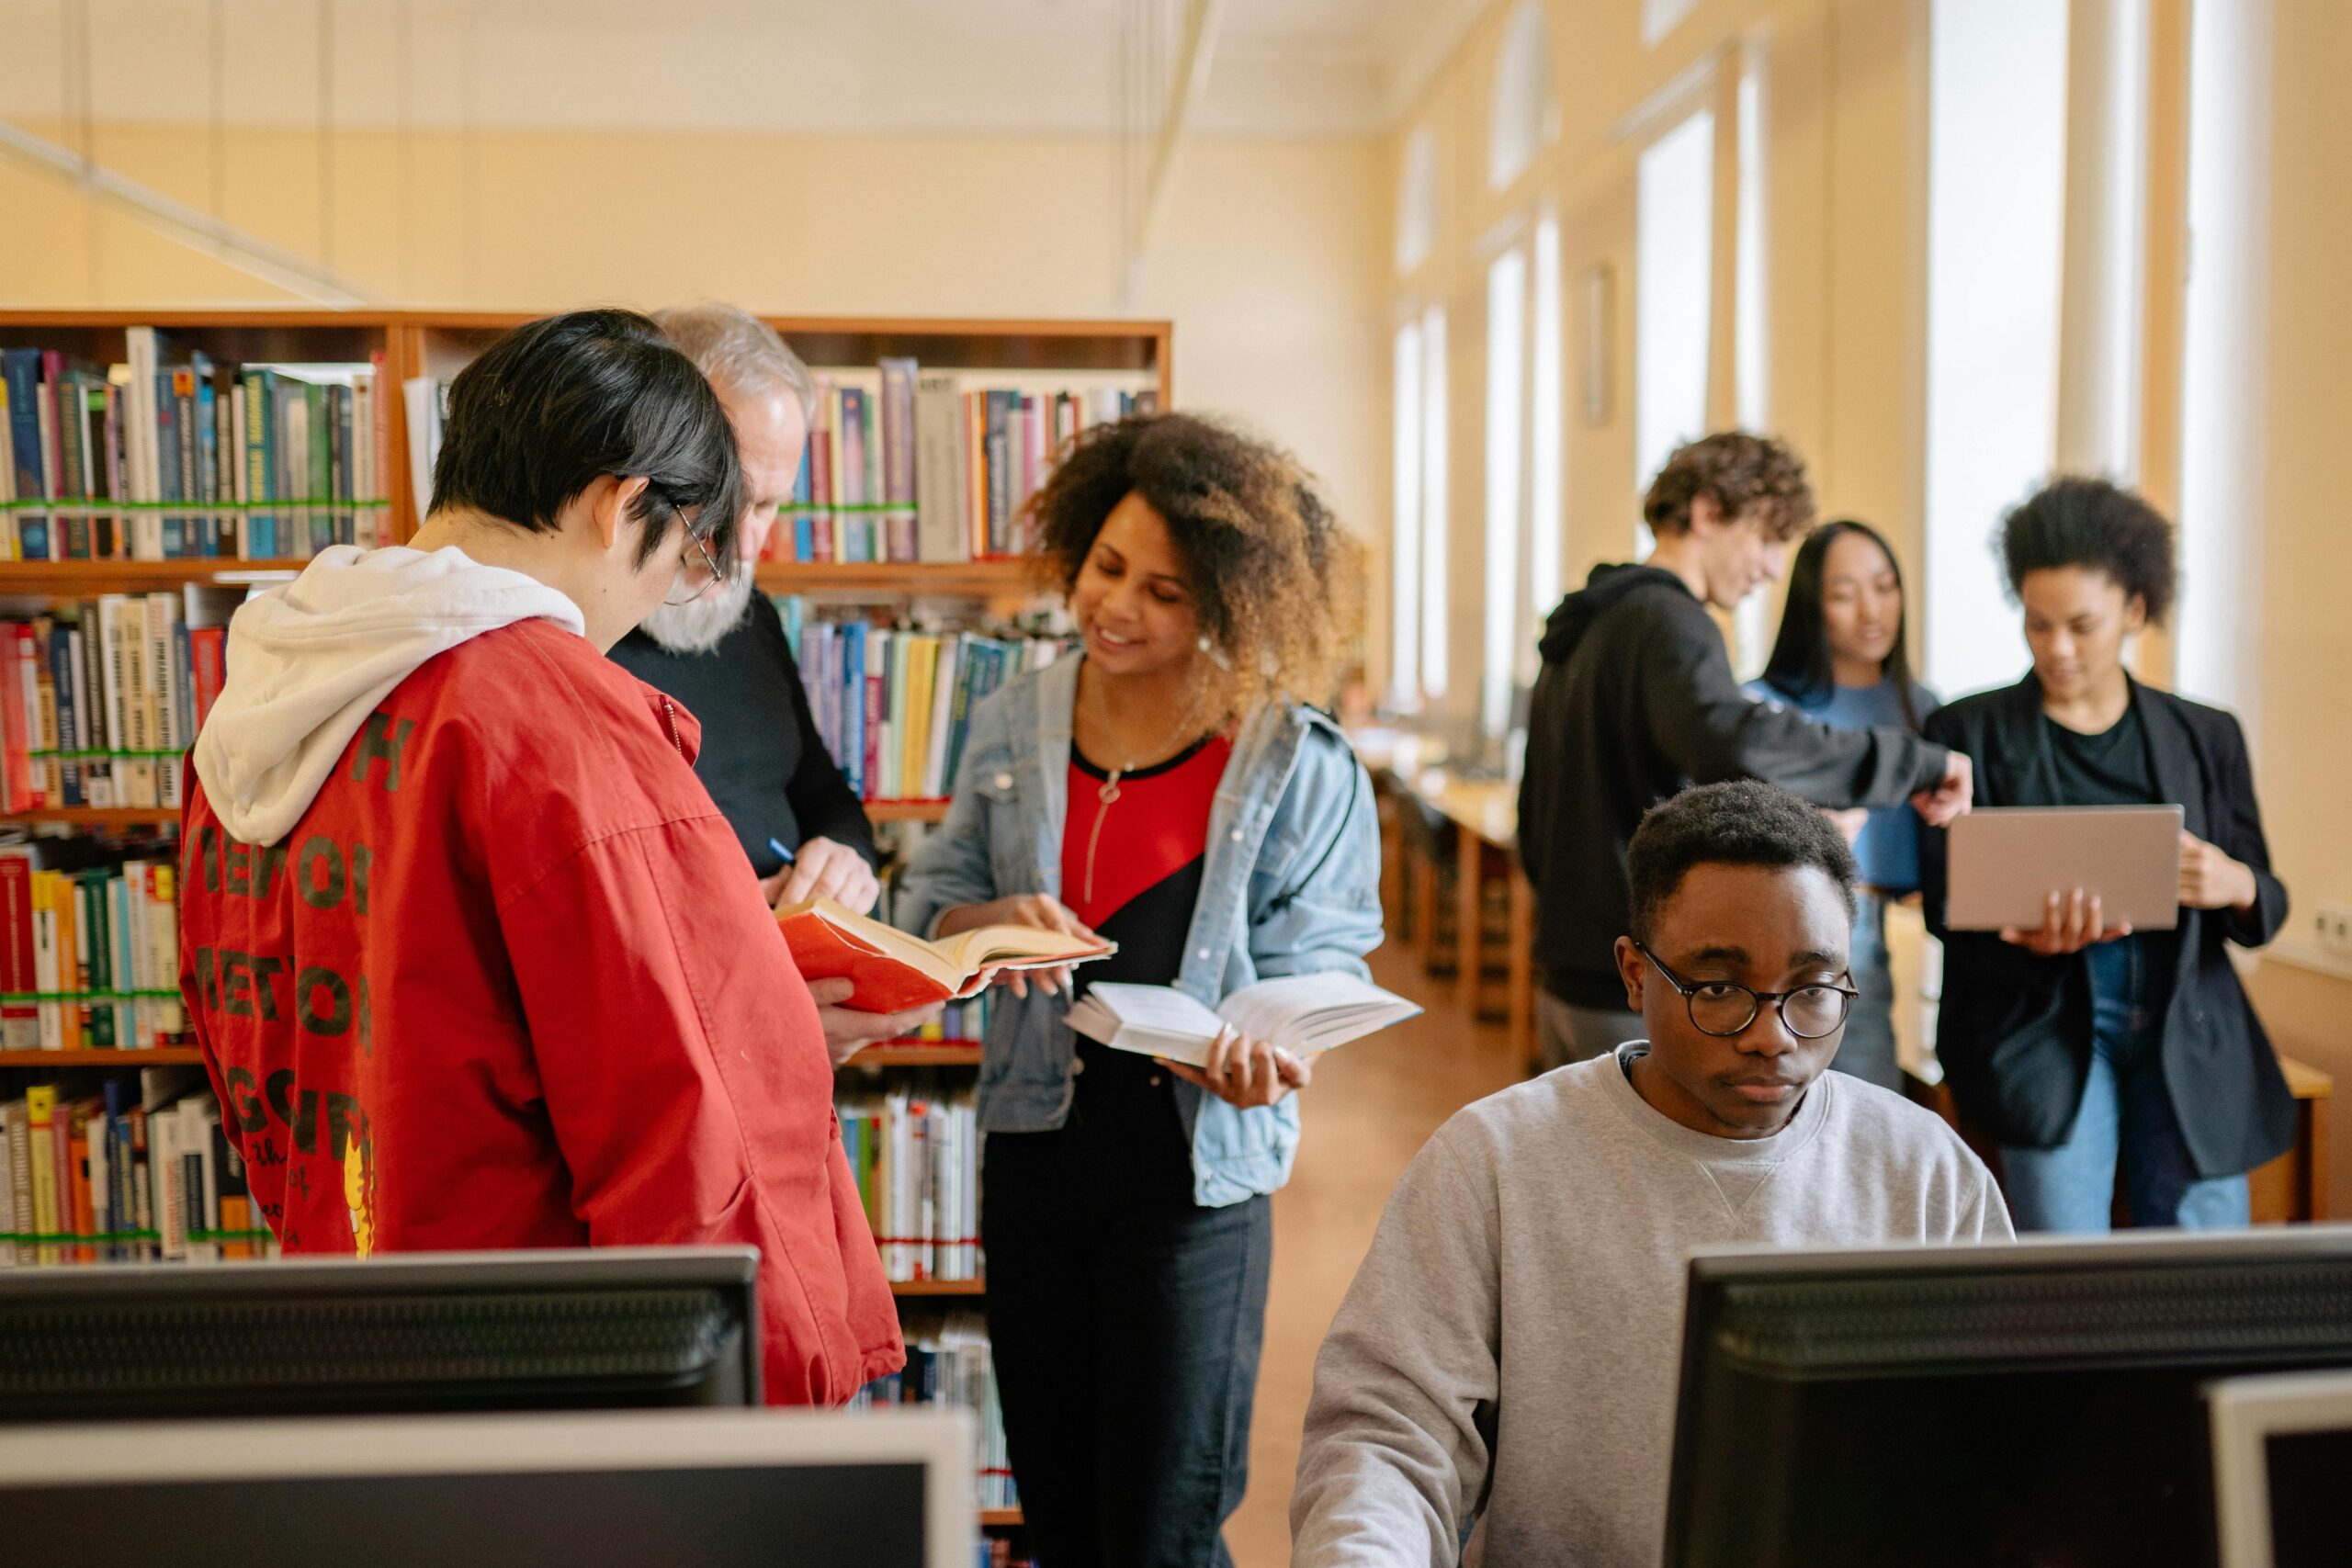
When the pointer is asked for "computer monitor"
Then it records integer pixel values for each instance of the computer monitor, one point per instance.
(2030, 1404)
(684, 1489)
(593, 1328)
(2283, 1453)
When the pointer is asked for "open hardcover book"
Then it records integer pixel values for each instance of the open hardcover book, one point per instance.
(895, 971)
(1303, 1014)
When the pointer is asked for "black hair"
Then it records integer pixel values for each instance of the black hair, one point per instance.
(1743, 823)
(2093, 524)
(1801, 667)
(558, 402)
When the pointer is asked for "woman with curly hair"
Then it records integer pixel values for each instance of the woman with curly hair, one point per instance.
(1173, 788)
(2082, 1044)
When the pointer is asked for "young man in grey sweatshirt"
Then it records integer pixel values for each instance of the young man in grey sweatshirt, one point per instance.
(1498, 1386)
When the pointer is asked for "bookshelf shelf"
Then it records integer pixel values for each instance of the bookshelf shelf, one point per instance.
(161, 1056)
(904, 1287)
(918, 1053)
(88, 578)
(905, 811)
(1000, 1518)
(979, 579)
(92, 816)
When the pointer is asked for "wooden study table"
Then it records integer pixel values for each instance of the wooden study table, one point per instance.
(1484, 814)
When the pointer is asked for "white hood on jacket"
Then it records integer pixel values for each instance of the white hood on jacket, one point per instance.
(308, 662)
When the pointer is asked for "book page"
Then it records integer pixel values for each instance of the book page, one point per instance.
(1313, 1012)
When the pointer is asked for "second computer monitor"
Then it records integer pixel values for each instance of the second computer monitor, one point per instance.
(1953, 1408)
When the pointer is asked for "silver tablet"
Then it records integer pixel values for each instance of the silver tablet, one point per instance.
(2005, 861)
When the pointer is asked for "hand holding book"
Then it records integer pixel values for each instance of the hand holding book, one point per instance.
(894, 972)
(1041, 910)
(1245, 1072)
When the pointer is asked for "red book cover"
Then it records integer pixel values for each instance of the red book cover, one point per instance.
(894, 972)
(14, 732)
(19, 1021)
(207, 663)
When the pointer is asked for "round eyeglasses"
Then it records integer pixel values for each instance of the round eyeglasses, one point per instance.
(1724, 1010)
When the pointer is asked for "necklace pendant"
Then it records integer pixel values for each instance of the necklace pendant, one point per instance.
(1108, 793)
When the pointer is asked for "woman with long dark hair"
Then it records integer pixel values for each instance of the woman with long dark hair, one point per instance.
(1844, 658)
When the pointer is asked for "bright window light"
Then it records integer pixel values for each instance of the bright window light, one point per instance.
(1506, 411)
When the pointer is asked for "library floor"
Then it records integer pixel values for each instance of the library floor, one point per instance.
(1367, 1113)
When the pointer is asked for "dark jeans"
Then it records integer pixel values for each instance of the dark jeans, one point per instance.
(1126, 1323)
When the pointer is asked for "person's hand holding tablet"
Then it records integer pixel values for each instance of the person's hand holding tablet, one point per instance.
(2070, 922)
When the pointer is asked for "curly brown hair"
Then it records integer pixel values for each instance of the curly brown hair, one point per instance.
(1276, 582)
(1738, 472)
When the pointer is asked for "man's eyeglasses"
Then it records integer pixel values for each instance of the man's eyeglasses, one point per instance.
(700, 579)
(1724, 1010)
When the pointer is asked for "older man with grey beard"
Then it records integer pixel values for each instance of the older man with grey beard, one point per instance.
(723, 655)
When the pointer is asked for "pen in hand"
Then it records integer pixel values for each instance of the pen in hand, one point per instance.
(781, 853)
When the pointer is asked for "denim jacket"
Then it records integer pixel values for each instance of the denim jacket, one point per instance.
(1291, 886)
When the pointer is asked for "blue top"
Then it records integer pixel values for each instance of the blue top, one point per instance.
(1889, 847)
(1290, 886)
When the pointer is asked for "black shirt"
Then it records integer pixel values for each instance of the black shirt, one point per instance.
(762, 759)
(2111, 767)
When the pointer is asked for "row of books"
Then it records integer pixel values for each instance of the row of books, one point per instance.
(125, 1176)
(89, 948)
(947, 1364)
(894, 707)
(914, 1149)
(169, 455)
(908, 464)
(101, 700)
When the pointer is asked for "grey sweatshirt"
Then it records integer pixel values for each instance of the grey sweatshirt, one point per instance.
(1540, 1245)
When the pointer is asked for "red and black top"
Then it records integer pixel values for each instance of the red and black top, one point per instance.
(1148, 863)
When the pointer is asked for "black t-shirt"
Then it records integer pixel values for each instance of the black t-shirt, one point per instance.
(2111, 767)
(761, 759)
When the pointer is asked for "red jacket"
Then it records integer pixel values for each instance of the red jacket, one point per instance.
(509, 982)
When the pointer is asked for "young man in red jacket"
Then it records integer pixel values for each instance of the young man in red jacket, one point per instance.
(473, 959)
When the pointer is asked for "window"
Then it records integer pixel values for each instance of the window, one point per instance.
(1417, 201)
(1434, 475)
(1674, 236)
(1548, 431)
(1752, 621)
(2222, 372)
(1996, 132)
(1404, 551)
(1506, 414)
(1524, 115)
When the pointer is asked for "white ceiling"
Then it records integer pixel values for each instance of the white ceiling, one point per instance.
(845, 66)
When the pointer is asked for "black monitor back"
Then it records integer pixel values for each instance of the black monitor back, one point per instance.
(596, 1328)
(2024, 1404)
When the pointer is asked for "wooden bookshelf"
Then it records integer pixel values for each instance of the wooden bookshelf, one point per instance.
(160, 1056)
(907, 1289)
(1000, 1518)
(440, 342)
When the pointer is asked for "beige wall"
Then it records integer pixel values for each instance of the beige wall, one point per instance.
(1268, 259)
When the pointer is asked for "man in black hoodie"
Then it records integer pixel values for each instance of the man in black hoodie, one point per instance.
(1636, 701)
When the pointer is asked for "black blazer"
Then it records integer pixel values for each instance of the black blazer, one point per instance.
(2015, 1029)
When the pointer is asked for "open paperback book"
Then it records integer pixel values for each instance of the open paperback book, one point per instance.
(894, 971)
(1303, 1014)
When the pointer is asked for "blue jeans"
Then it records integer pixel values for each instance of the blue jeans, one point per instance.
(1868, 1050)
(2127, 1113)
